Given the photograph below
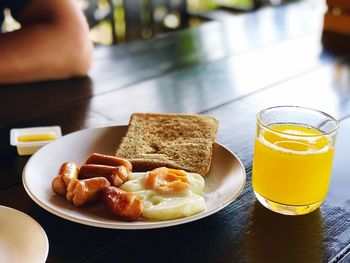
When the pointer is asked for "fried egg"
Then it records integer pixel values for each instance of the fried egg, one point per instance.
(167, 193)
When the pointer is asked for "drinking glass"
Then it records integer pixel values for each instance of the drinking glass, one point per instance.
(293, 156)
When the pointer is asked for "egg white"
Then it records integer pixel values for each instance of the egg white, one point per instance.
(165, 207)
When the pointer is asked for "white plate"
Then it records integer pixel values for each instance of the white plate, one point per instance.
(22, 239)
(224, 182)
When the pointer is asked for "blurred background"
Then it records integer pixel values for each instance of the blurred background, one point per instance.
(120, 21)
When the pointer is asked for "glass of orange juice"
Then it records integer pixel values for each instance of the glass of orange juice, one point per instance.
(293, 157)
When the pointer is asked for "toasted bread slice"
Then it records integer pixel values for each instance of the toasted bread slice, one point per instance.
(180, 141)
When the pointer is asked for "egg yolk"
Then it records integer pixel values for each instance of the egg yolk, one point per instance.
(167, 181)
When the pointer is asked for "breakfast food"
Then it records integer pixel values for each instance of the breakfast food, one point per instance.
(167, 193)
(92, 181)
(166, 181)
(180, 141)
(161, 194)
(97, 158)
(67, 172)
(80, 192)
(174, 153)
(123, 204)
(115, 170)
(115, 175)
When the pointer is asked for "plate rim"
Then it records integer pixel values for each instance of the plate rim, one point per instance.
(141, 224)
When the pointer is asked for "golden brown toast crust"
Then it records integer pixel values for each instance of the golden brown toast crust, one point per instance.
(181, 141)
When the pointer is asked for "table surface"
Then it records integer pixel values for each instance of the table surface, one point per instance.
(230, 67)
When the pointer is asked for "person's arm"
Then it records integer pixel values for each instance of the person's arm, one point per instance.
(53, 43)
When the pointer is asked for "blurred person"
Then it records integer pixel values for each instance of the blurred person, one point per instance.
(52, 43)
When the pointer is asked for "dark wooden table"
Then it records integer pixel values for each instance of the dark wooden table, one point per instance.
(230, 67)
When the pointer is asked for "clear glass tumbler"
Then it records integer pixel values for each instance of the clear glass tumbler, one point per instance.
(293, 156)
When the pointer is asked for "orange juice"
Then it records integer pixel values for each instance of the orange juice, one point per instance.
(292, 164)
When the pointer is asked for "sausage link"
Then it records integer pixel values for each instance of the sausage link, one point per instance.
(123, 204)
(96, 170)
(119, 176)
(97, 158)
(67, 172)
(115, 175)
(81, 192)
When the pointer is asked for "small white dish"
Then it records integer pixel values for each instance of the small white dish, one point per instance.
(22, 239)
(29, 140)
(223, 184)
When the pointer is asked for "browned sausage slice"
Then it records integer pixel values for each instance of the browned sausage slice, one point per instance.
(115, 175)
(67, 172)
(97, 158)
(81, 192)
(121, 203)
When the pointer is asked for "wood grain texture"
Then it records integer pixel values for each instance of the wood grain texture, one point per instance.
(230, 68)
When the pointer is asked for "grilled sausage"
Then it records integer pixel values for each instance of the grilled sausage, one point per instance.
(67, 172)
(115, 175)
(80, 192)
(97, 158)
(121, 203)
(95, 170)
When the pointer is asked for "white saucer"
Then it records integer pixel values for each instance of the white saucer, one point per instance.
(22, 239)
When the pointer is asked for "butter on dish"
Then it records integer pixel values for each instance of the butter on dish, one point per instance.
(29, 140)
